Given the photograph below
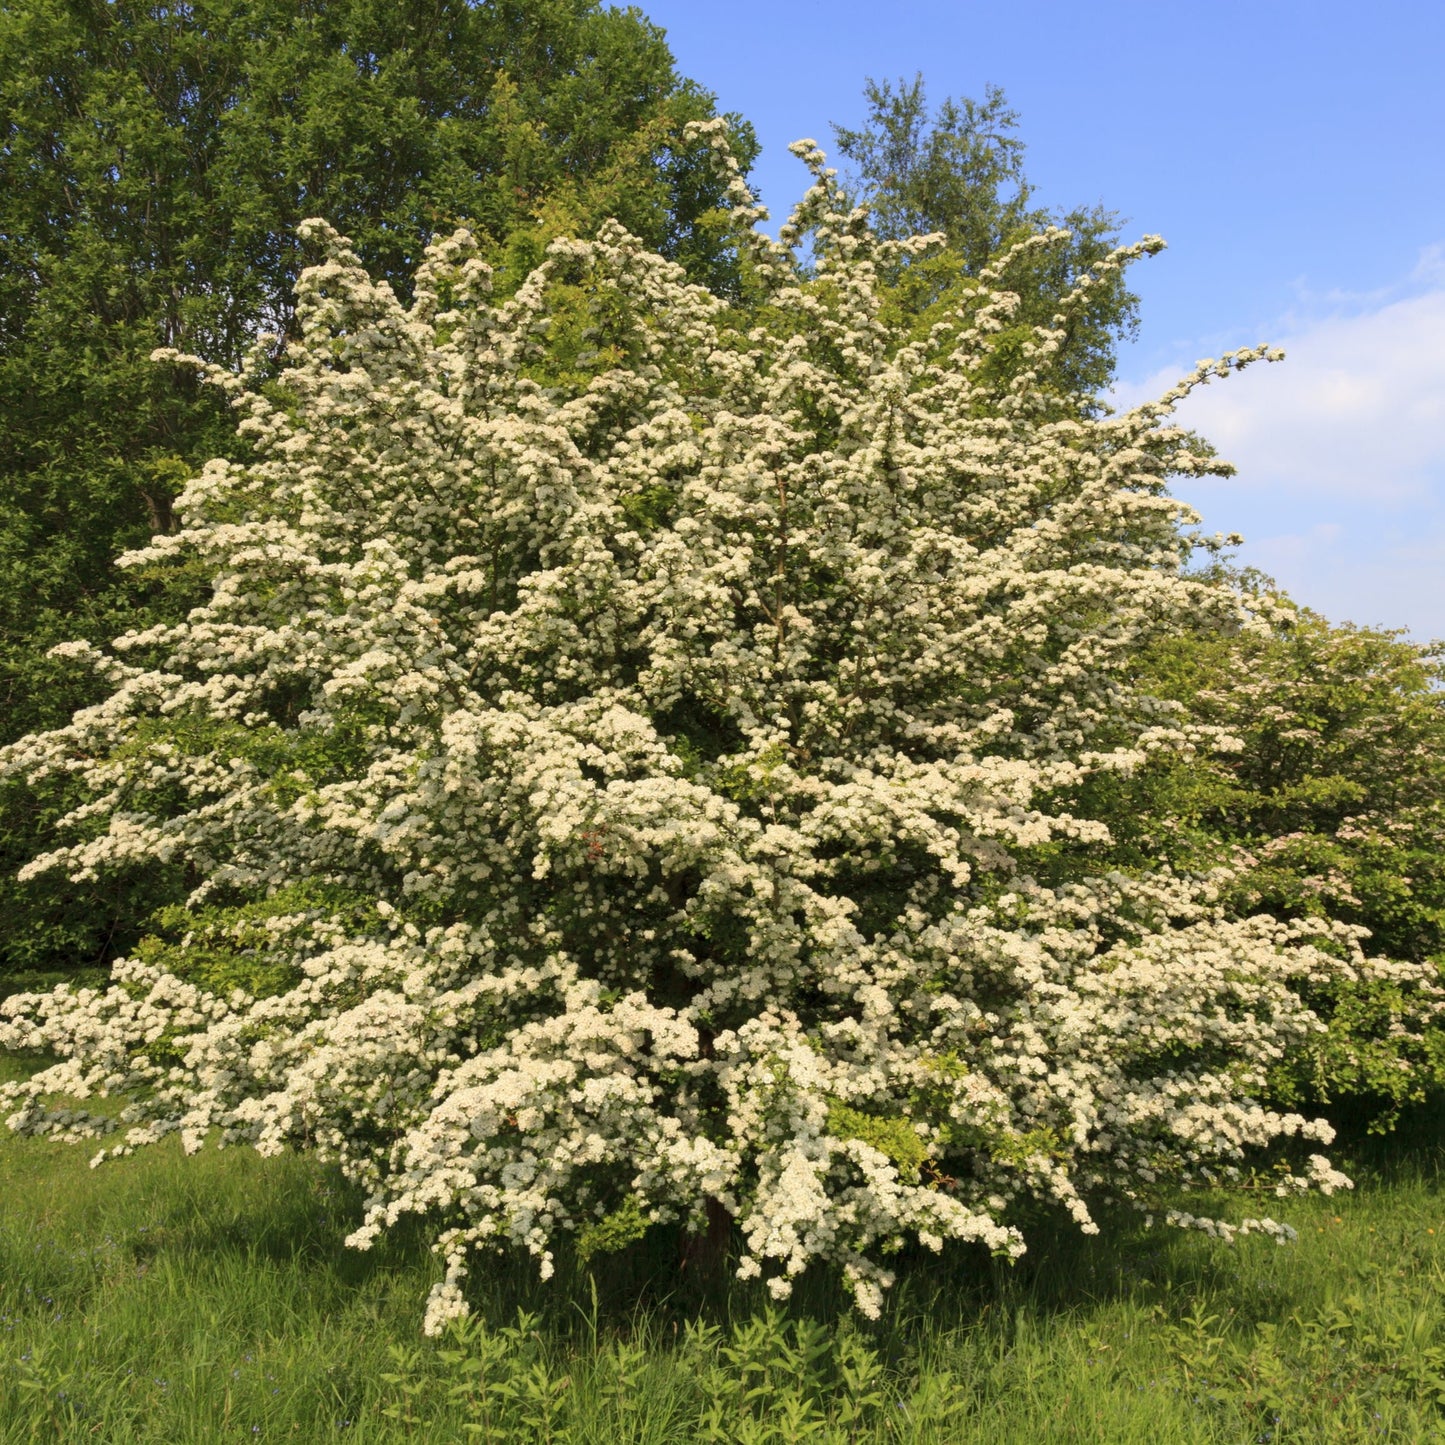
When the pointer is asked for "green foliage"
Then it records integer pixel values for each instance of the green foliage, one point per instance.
(1337, 806)
(959, 169)
(155, 164)
(51, 922)
(615, 1231)
(1329, 803)
(894, 1138)
(1338, 794)
(226, 948)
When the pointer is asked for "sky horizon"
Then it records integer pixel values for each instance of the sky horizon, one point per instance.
(1291, 156)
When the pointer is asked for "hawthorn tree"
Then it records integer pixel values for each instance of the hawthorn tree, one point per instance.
(612, 760)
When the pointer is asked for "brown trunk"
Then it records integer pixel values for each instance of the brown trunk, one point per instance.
(158, 510)
(703, 1253)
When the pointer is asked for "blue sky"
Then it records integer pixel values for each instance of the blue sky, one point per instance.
(1293, 156)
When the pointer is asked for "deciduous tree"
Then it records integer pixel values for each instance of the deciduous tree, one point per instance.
(613, 763)
(959, 169)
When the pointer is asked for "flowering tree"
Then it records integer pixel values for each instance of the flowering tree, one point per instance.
(612, 767)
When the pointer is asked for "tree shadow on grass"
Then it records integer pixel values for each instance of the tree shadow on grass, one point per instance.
(654, 1286)
(1064, 1271)
(228, 1209)
(1413, 1152)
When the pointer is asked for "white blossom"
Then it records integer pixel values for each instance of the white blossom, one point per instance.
(667, 732)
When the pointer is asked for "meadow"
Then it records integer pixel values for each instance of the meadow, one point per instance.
(166, 1299)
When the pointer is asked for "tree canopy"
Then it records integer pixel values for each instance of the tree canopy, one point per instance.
(959, 169)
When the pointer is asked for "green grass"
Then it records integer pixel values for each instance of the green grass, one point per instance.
(165, 1299)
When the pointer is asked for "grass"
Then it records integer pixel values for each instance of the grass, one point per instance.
(164, 1299)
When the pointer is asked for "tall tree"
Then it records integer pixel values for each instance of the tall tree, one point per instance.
(959, 169)
(155, 159)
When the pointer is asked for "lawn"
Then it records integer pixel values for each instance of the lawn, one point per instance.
(165, 1299)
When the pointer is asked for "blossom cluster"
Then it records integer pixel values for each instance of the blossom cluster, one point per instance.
(625, 730)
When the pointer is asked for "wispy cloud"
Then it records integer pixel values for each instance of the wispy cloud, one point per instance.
(1356, 409)
(1431, 266)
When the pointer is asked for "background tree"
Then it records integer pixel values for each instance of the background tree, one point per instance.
(156, 160)
(1320, 785)
(959, 169)
(1334, 805)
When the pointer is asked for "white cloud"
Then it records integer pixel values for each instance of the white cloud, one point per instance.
(1341, 455)
(1356, 409)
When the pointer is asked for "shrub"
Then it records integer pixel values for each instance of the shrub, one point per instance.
(1333, 805)
(619, 741)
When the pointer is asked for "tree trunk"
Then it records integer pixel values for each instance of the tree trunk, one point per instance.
(704, 1252)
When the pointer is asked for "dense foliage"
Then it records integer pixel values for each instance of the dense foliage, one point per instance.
(1333, 804)
(155, 161)
(620, 774)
